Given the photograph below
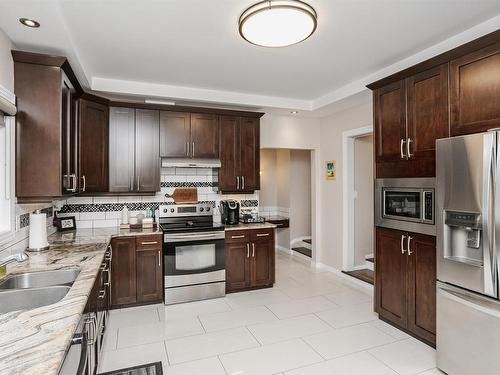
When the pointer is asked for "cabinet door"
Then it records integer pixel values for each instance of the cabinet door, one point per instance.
(123, 271)
(237, 266)
(475, 91)
(390, 130)
(422, 286)
(204, 136)
(229, 171)
(250, 154)
(174, 134)
(147, 151)
(69, 136)
(262, 258)
(390, 276)
(149, 275)
(94, 139)
(121, 149)
(427, 95)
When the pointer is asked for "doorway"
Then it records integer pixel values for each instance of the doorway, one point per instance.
(286, 193)
(358, 247)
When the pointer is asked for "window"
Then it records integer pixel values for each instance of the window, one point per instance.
(7, 207)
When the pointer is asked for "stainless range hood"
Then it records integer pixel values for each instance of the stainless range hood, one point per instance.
(190, 163)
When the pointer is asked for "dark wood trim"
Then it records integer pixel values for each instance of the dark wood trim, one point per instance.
(95, 98)
(178, 108)
(442, 58)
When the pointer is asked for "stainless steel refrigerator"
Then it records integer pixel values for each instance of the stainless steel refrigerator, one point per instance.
(468, 247)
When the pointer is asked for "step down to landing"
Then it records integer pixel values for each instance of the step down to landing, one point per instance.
(303, 250)
(309, 241)
(365, 275)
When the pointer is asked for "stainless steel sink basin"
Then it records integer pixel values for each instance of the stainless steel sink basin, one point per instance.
(27, 299)
(40, 279)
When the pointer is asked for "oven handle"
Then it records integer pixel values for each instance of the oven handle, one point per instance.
(193, 237)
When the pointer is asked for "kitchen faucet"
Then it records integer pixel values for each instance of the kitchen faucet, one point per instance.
(19, 257)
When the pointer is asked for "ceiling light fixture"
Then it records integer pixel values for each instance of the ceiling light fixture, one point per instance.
(29, 23)
(294, 112)
(278, 23)
(157, 101)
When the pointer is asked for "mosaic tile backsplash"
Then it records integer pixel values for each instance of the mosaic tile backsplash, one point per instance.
(105, 211)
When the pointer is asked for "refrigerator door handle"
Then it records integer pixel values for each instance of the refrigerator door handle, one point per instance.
(477, 303)
(488, 222)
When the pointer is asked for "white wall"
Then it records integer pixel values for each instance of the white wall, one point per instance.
(6, 63)
(363, 204)
(300, 194)
(290, 132)
(330, 250)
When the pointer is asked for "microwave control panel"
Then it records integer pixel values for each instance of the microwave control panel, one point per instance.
(429, 206)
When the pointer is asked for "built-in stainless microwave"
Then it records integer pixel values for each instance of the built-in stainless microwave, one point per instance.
(405, 204)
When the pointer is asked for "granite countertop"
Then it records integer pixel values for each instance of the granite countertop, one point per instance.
(35, 341)
(242, 226)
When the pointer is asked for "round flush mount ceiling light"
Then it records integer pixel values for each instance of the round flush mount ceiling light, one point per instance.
(278, 23)
(29, 23)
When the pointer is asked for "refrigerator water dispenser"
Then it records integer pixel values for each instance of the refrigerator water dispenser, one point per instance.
(462, 237)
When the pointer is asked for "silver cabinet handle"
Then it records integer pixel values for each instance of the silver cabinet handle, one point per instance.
(401, 149)
(84, 183)
(192, 151)
(187, 149)
(149, 243)
(242, 182)
(72, 182)
(263, 234)
(138, 181)
(237, 182)
(253, 250)
(131, 182)
(102, 294)
(248, 250)
(408, 152)
(159, 259)
(408, 249)
(403, 237)
(235, 237)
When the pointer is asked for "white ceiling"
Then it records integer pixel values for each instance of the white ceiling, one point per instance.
(190, 50)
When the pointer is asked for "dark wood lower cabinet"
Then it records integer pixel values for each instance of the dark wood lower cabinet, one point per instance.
(405, 281)
(137, 270)
(250, 259)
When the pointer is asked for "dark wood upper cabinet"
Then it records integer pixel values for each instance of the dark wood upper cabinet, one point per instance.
(409, 116)
(174, 134)
(134, 150)
(204, 136)
(390, 122)
(250, 154)
(475, 91)
(123, 271)
(239, 154)
(93, 150)
(422, 286)
(46, 127)
(390, 276)
(405, 282)
(229, 153)
(147, 150)
(121, 149)
(428, 119)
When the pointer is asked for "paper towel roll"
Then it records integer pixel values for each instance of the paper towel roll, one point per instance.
(38, 231)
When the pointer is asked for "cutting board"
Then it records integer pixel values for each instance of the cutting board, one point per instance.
(184, 195)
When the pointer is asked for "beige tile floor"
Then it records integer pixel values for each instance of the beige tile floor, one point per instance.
(311, 323)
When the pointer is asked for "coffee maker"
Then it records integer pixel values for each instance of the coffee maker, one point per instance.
(230, 212)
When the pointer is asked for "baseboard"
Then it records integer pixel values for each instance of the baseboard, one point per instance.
(299, 239)
(295, 254)
(283, 249)
(352, 280)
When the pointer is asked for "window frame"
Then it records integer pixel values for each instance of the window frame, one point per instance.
(9, 235)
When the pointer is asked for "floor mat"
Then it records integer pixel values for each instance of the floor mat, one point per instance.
(149, 369)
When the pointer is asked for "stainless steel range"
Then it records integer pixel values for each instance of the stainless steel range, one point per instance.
(193, 250)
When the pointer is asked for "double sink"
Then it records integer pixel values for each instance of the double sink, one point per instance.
(28, 291)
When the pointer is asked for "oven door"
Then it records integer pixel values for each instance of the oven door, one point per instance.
(193, 258)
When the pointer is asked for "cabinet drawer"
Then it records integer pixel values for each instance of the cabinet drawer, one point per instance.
(148, 242)
(261, 234)
(237, 236)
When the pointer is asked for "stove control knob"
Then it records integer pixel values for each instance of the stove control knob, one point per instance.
(208, 209)
(201, 209)
(165, 210)
(172, 210)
